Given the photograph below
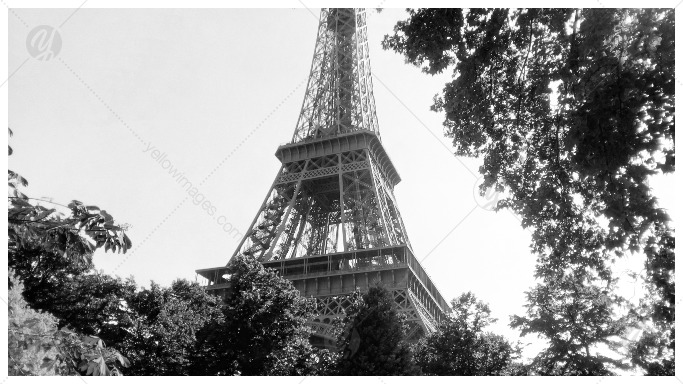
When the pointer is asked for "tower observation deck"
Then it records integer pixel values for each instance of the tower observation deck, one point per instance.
(330, 222)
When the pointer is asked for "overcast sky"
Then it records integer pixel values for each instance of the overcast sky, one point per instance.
(217, 91)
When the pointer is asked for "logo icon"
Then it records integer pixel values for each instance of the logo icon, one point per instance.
(44, 42)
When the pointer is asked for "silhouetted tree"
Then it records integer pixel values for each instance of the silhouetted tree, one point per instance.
(38, 347)
(157, 328)
(373, 342)
(572, 111)
(460, 346)
(47, 249)
(263, 330)
(576, 320)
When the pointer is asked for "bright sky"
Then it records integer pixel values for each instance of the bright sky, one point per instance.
(217, 91)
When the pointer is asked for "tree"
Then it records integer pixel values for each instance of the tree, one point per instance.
(572, 111)
(51, 255)
(45, 247)
(158, 328)
(374, 341)
(263, 330)
(164, 331)
(38, 347)
(577, 320)
(88, 301)
(460, 346)
(654, 350)
(35, 231)
(155, 328)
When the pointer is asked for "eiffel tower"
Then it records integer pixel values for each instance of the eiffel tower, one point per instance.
(330, 222)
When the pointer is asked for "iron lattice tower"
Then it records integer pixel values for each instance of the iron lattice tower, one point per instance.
(330, 222)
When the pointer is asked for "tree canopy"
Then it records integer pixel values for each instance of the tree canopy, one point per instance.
(462, 347)
(373, 342)
(37, 346)
(572, 111)
(158, 328)
(46, 250)
(263, 330)
(95, 324)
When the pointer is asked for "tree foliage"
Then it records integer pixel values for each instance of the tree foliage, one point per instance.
(374, 339)
(158, 328)
(654, 351)
(462, 347)
(46, 248)
(263, 330)
(154, 328)
(577, 320)
(38, 347)
(572, 111)
(178, 330)
(35, 228)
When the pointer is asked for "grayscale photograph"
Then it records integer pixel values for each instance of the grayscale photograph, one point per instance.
(303, 191)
